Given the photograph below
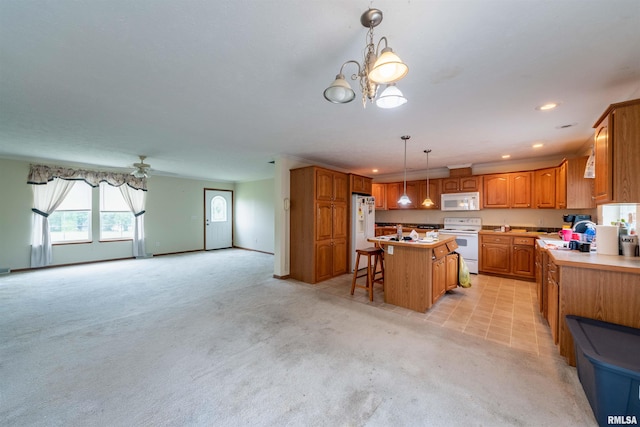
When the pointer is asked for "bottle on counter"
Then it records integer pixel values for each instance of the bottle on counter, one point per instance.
(399, 231)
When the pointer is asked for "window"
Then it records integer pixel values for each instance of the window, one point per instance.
(116, 219)
(71, 222)
(218, 209)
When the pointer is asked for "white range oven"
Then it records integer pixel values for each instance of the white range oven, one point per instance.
(465, 231)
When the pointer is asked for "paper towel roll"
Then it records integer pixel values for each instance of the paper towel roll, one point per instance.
(607, 239)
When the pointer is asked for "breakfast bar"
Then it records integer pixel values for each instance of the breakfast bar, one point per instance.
(418, 272)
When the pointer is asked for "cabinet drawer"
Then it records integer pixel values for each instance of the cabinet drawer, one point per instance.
(495, 239)
(440, 251)
(529, 241)
(452, 246)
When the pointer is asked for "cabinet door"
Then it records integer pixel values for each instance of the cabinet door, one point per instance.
(470, 183)
(545, 188)
(394, 191)
(379, 192)
(439, 277)
(339, 218)
(520, 188)
(339, 257)
(580, 194)
(496, 258)
(324, 260)
(523, 261)
(413, 192)
(561, 186)
(496, 191)
(553, 300)
(324, 185)
(450, 185)
(603, 183)
(452, 272)
(324, 220)
(340, 187)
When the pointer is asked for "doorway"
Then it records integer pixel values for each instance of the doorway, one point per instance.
(218, 219)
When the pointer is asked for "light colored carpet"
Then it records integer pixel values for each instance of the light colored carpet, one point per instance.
(210, 338)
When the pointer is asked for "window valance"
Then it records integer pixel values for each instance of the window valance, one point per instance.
(42, 174)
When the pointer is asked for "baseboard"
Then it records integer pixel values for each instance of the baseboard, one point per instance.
(144, 256)
(4, 271)
(285, 277)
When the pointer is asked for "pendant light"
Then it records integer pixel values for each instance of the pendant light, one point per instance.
(427, 202)
(404, 199)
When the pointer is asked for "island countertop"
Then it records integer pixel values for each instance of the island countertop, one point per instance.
(386, 240)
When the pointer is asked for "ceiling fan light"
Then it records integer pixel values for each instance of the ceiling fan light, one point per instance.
(139, 173)
(339, 92)
(404, 200)
(391, 97)
(388, 68)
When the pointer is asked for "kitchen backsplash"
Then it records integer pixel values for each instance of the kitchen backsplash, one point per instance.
(529, 219)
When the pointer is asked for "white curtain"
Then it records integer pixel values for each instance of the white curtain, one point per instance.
(136, 200)
(46, 198)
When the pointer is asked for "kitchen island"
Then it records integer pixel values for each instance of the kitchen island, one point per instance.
(587, 284)
(417, 273)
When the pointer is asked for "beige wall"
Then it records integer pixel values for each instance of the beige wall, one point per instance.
(174, 221)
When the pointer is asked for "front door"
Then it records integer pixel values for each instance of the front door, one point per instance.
(219, 219)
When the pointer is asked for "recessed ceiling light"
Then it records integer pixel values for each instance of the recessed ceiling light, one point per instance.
(506, 156)
(548, 106)
(538, 145)
(374, 170)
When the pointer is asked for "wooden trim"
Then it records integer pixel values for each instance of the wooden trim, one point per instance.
(613, 107)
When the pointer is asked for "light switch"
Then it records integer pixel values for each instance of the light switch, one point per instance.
(390, 250)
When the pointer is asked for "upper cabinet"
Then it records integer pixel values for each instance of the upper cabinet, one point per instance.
(433, 193)
(379, 193)
(331, 186)
(396, 189)
(578, 189)
(545, 188)
(462, 184)
(617, 152)
(507, 190)
(360, 184)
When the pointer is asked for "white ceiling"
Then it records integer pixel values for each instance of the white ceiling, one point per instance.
(216, 89)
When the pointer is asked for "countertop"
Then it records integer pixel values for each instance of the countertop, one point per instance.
(384, 240)
(522, 233)
(593, 260)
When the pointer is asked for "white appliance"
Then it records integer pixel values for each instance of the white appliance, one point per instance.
(363, 221)
(465, 231)
(460, 201)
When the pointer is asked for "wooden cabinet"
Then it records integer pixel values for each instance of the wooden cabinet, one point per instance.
(439, 277)
(617, 153)
(561, 186)
(495, 254)
(553, 299)
(545, 188)
(319, 224)
(434, 193)
(507, 190)
(541, 279)
(506, 255)
(395, 191)
(451, 280)
(462, 184)
(579, 190)
(379, 193)
(360, 184)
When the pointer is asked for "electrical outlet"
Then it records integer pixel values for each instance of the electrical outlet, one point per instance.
(540, 221)
(390, 250)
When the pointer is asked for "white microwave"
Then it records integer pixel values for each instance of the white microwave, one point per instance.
(460, 201)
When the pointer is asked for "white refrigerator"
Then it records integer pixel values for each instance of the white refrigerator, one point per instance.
(363, 221)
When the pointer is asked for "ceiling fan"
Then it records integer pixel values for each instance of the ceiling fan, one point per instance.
(142, 169)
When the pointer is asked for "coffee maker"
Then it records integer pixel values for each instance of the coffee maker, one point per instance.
(575, 219)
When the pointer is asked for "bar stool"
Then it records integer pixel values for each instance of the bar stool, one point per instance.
(371, 271)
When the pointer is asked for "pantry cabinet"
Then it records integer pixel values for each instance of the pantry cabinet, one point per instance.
(617, 154)
(319, 224)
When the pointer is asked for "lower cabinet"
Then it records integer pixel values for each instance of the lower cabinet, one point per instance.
(444, 276)
(505, 255)
(553, 299)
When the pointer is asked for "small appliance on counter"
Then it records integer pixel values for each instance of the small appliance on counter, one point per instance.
(575, 219)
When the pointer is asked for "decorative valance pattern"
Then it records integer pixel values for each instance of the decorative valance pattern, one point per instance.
(42, 174)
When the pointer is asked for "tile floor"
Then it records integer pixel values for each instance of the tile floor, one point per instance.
(504, 311)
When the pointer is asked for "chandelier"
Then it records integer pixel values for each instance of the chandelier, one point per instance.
(375, 70)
